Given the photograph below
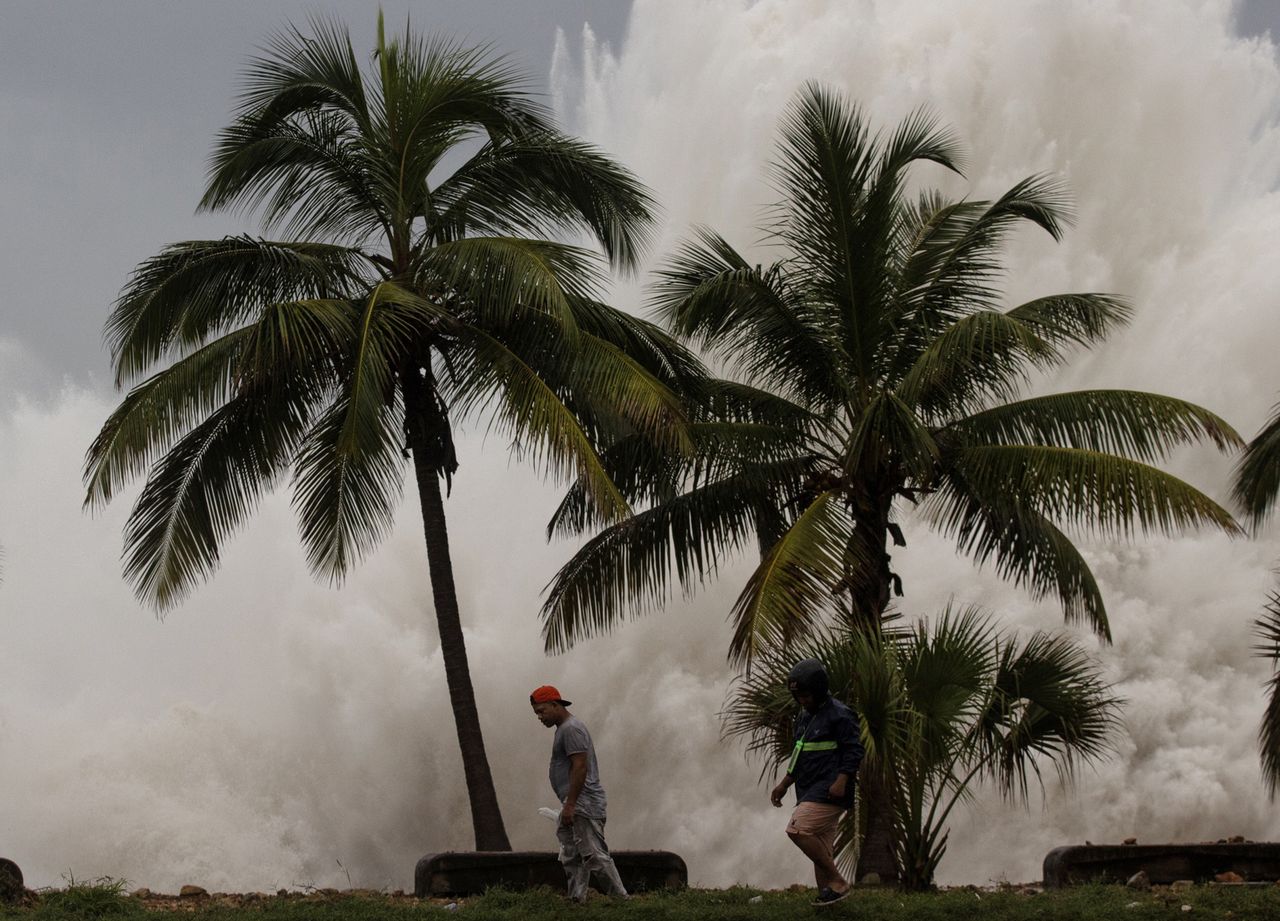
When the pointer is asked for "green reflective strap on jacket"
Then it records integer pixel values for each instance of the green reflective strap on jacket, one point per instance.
(803, 746)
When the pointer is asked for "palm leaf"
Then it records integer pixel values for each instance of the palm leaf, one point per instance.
(349, 469)
(629, 567)
(708, 292)
(1099, 493)
(543, 184)
(493, 377)
(1051, 703)
(493, 278)
(1257, 475)
(1028, 548)
(1266, 630)
(202, 489)
(792, 590)
(1142, 426)
(195, 290)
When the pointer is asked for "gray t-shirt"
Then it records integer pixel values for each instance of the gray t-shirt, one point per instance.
(572, 737)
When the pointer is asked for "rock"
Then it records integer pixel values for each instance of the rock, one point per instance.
(755, 900)
(1134, 905)
(192, 892)
(1236, 839)
(1139, 881)
(1130, 841)
(871, 879)
(282, 892)
(1030, 890)
(143, 893)
(1186, 907)
(1181, 885)
(1228, 877)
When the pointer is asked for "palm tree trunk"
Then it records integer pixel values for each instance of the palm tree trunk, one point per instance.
(423, 416)
(870, 599)
(877, 855)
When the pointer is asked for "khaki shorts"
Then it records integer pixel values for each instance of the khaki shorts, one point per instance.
(818, 820)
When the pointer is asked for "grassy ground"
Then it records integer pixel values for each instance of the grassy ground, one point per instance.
(1087, 903)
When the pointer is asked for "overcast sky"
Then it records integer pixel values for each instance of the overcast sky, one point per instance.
(107, 114)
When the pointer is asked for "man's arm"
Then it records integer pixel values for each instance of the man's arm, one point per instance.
(775, 795)
(849, 745)
(577, 780)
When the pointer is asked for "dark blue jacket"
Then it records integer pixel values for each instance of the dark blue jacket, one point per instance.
(827, 744)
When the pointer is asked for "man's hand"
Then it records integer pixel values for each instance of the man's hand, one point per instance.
(836, 791)
(566, 813)
(778, 792)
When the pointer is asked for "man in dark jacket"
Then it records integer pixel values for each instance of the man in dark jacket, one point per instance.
(823, 767)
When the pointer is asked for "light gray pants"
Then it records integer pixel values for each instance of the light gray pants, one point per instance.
(583, 852)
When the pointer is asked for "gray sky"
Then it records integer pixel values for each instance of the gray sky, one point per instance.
(107, 113)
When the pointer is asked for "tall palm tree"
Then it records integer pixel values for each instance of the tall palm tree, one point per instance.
(1257, 484)
(875, 365)
(412, 286)
(945, 705)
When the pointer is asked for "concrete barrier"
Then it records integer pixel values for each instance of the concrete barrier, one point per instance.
(457, 873)
(1163, 863)
(10, 881)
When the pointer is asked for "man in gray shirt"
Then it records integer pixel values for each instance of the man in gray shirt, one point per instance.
(575, 778)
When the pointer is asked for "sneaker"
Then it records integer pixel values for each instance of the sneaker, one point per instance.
(830, 896)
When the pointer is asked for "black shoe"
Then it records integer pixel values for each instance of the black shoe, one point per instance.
(830, 896)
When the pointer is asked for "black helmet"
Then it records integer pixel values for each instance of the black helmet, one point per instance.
(810, 676)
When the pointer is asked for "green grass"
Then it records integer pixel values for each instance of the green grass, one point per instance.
(105, 899)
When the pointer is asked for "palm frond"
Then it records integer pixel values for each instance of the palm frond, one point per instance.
(157, 412)
(983, 357)
(493, 377)
(1074, 319)
(1142, 426)
(202, 489)
(1266, 630)
(629, 567)
(888, 430)
(492, 279)
(792, 590)
(1050, 703)
(648, 473)
(545, 184)
(1028, 549)
(1257, 475)
(201, 288)
(349, 470)
(1098, 493)
(746, 315)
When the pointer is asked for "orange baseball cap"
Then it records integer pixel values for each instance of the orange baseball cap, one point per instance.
(548, 694)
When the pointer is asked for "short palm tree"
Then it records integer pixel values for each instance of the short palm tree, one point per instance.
(1257, 484)
(875, 366)
(413, 286)
(944, 705)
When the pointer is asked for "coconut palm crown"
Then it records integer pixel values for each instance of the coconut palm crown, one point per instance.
(876, 370)
(415, 280)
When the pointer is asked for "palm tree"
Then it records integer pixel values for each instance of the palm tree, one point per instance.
(1257, 483)
(412, 287)
(875, 364)
(945, 706)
